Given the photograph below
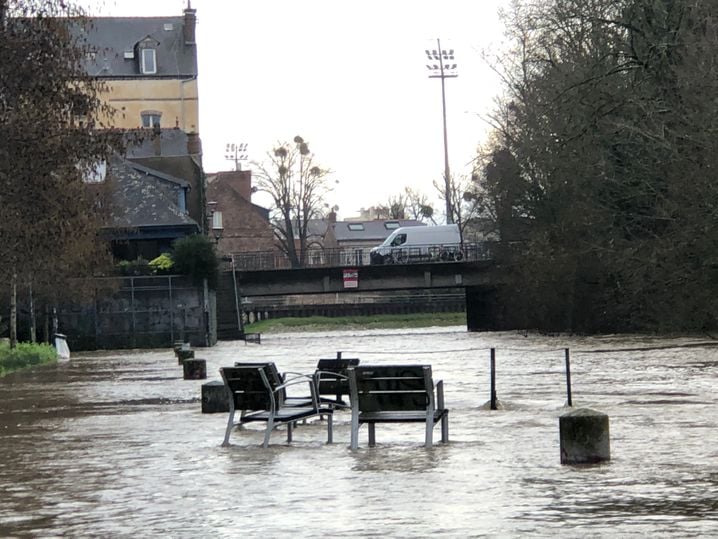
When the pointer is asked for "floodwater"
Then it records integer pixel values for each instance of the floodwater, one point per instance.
(114, 444)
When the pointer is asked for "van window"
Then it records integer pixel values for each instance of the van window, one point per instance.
(400, 239)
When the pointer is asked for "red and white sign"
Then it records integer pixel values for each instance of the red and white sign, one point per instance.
(351, 278)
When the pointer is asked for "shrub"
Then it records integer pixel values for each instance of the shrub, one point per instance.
(24, 355)
(195, 256)
(163, 264)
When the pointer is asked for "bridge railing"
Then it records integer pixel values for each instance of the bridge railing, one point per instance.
(355, 257)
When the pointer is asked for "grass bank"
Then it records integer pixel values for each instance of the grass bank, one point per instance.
(383, 321)
(24, 355)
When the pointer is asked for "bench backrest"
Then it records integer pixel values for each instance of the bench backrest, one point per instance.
(273, 375)
(327, 384)
(249, 386)
(391, 388)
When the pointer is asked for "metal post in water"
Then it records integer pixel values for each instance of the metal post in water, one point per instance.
(339, 355)
(568, 377)
(493, 378)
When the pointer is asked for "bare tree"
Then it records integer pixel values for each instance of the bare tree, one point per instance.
(466, 201)
(409, 204)
(50, 138)
(298, 187)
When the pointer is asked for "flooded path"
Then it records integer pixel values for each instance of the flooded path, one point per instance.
(114, 444)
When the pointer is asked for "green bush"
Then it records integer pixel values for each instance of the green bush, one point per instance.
(136, 267)
(195, 256)
(163, 264)
(24, 355)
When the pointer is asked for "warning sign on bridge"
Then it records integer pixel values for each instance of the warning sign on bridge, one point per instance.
(351, 278)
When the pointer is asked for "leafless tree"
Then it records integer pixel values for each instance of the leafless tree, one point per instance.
(298, 186)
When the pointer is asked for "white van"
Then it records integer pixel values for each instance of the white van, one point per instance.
(417, 244)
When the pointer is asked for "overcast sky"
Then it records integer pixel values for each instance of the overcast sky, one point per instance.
(350, 77)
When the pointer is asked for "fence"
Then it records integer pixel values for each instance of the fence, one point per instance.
(140, 312)
(349, 256)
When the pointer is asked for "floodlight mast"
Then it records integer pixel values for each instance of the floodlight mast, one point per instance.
(443, 71)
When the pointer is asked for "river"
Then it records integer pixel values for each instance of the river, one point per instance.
(114, 444)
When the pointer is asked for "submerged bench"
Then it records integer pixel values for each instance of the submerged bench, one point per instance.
(255, 394)
(396, 394)
(331, 380)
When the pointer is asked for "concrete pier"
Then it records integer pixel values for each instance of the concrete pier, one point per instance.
(214, 398)
(585, 437)
(195, 369)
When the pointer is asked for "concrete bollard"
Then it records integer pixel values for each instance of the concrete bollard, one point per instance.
(195, 369)
(182, 355)
(584, 437)
(214, 398)
(177, 346)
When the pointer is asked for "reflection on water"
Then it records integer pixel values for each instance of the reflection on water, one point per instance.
(114, 445)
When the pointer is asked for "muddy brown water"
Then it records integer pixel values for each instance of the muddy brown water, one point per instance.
(114, 444)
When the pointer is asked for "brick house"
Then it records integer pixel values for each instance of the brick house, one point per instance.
(245, 225)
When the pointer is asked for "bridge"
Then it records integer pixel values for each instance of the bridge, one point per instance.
(347, 271)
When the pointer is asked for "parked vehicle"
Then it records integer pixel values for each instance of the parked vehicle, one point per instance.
(419, 244)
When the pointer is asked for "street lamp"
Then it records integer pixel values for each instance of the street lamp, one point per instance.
(442, 67)
(237, 153)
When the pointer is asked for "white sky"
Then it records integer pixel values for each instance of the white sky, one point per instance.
(350, 77)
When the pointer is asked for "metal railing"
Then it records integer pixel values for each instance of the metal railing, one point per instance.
(356, 257)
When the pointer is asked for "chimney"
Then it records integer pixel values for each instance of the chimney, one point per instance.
(194, 144)
(190, 20)
(332, 217)
(239, 180)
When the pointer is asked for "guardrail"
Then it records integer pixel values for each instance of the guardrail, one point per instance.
(351, 257)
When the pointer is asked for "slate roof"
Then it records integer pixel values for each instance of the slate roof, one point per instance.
(142, 197)
(375, 230)
(113, 36)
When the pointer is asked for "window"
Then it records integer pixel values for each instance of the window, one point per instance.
(391, 225)
(151, 118)
(356, 227)
(400, 239)
(148, 63)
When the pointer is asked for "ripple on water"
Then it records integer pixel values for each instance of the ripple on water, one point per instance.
(114, 445)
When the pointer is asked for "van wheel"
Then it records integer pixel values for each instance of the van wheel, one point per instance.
(458, 256)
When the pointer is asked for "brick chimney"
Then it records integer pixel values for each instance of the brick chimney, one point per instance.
(190, 21)
(332, 217)
(239, 180)
(194, 144)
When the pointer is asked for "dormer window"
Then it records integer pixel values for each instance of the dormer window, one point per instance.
(146, 53)
(148, 61)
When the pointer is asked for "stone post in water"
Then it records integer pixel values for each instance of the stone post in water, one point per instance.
(584, 437)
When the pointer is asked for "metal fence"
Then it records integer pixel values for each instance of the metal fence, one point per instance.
(351, 257)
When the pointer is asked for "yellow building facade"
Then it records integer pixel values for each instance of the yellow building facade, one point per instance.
(149, 68)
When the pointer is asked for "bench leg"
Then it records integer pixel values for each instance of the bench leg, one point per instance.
(268, 432)
(355, 431)
(230, 424)
(372, 434)
(289, 432)
(429, 438)
(445, 427)
(330, 429)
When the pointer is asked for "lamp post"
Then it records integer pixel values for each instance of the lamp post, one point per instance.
(444, 69)
(236, 153)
